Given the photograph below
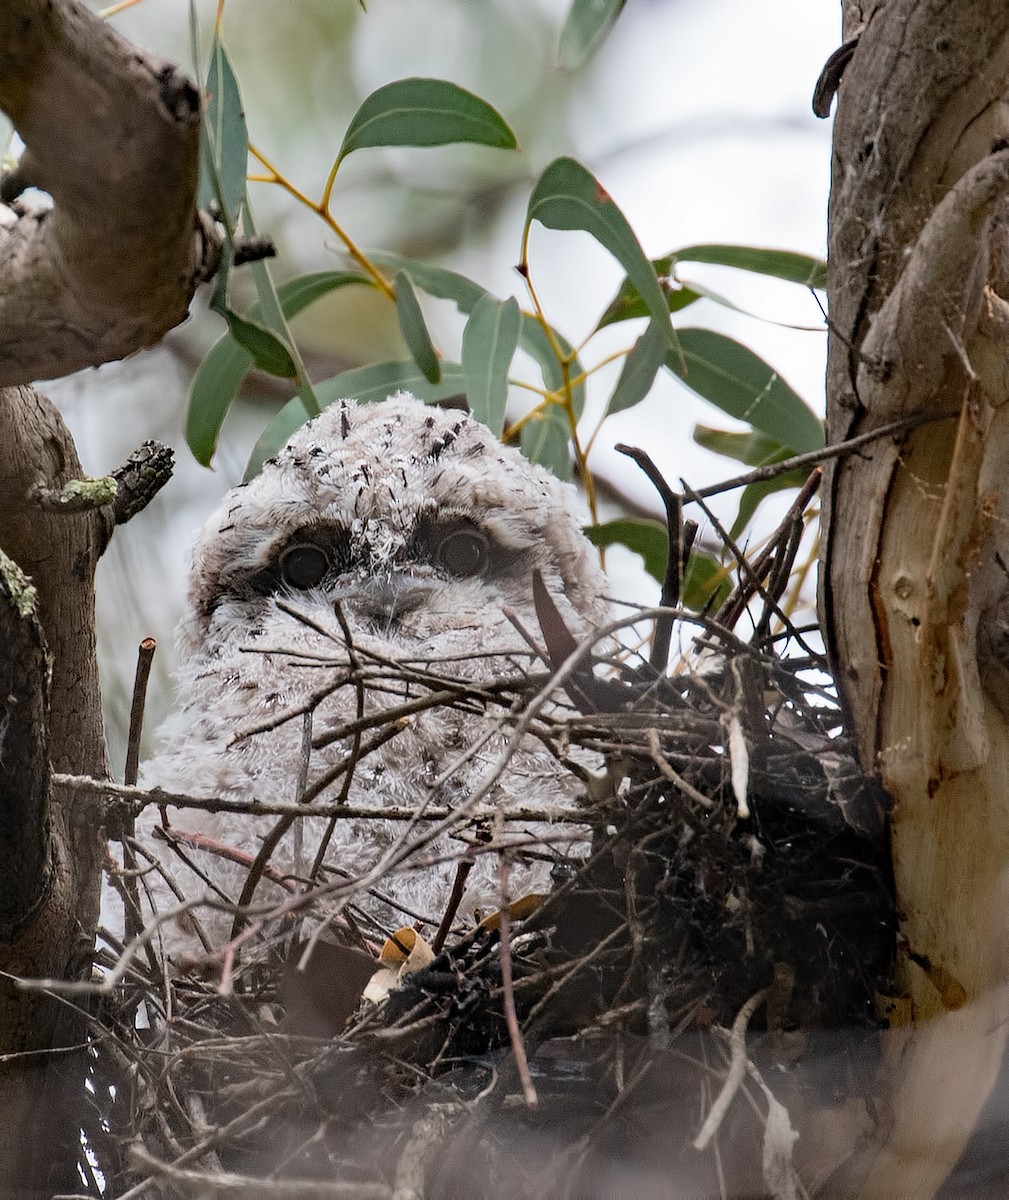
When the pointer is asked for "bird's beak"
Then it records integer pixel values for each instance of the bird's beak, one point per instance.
(387, 596)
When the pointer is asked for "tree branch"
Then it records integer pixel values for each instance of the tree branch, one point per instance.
(113, 136)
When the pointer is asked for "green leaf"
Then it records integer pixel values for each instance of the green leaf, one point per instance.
(273, 316)
(643, 535)
(292, 416)
(740, 383)
(224, 137)
(756, 450)
(568, 196)
(415, 334)
(753, 448)
(449, 285)
(220, 375)
(298, 293)
(782, 264)
(545, 441)
(640, 368)
(754, 493)
(488, 346)
(377, 382)
(537, 345)
(627, 303)
(705, 577)
(706, 582)
(436, 281)
(425, 112)
(587, 23)
(268, 351)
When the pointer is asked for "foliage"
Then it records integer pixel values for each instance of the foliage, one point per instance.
(417, 112)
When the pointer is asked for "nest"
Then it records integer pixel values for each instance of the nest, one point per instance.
(701, 986)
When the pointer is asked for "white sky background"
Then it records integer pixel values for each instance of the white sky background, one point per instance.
(695, 117)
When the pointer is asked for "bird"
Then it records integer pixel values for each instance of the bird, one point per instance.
(385, 540)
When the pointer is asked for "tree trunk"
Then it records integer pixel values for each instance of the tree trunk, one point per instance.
(915, 579)
(113, 136)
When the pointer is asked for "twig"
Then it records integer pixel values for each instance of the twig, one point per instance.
(452, 907)
(133, 921)
(737, 1069)
(145, 656)
(672, 583)
(815, 457)
(142, 798)
(508, 992)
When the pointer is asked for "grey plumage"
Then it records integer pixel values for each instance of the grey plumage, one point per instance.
(416, 528)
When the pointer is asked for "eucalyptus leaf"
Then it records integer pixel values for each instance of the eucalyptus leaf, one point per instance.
(568, 196)
(741, 384)
(436, 281)
(292, 416)
(414, 329)
(754, 493)
(425, 112)
(535, 341)
(782, 264)
(639, 370)
(643, 535)
(273, 315)
(268, 351)
(706, 582)
(488, 346)
(545, 441)
(753, 448)
(220, 375)
(627, 303)
(588, 22)
(224, 137)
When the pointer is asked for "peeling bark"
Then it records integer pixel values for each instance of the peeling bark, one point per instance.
(915, 532)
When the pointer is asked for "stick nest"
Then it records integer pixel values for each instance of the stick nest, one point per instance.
(701, 988)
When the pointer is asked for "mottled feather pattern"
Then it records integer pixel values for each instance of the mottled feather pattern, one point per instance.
(417, 528)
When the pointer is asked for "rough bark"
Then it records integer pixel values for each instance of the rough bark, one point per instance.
(112, 134)
(916, 540)
(112, 266)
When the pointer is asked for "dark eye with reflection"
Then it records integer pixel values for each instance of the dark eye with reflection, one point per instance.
(304, 565)
(464, 553)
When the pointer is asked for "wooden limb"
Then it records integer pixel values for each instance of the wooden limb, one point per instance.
(113, 136)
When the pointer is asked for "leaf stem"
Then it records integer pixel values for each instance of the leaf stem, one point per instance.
(321, 209)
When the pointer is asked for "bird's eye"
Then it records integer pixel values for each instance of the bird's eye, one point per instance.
(464, 553)
(304, 565)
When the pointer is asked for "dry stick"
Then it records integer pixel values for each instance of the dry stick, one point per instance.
(145, 656)
(133, 921)
(141, 797)
(674, 777)
(508, 990)
(815, 457)
(455, 899)
(737, 1069)
(764, 565)
(672, 583)
(746, 570)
